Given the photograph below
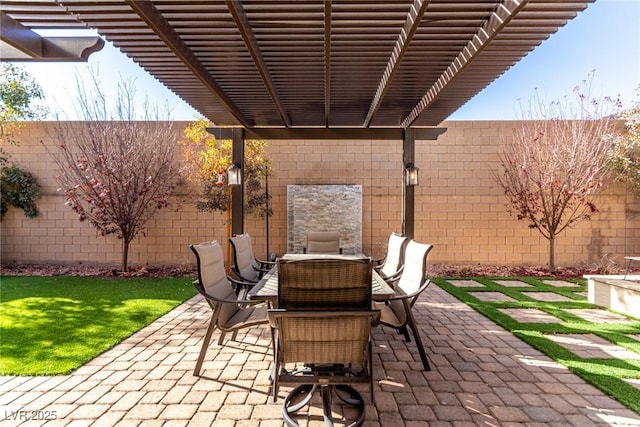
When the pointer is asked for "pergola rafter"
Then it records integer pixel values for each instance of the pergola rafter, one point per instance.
(154, 19)
(497, 21)
(404, 38)
(244, 26)
(327, 62)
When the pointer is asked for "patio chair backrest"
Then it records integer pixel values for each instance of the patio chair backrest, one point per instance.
(243, 259)
(323, 242)
(324, 284)
(213, 280)
(323, 337)
(395, 255)
(414, 274)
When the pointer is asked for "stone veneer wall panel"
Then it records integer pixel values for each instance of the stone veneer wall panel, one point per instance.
(324, 208)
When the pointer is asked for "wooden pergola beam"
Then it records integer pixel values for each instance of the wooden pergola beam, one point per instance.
(408, 210)
(500, 17)
(244, 26)
(237, 192)
(27, 45)
(327, 62)
(397, 134)
(414, 17)
(154, 19)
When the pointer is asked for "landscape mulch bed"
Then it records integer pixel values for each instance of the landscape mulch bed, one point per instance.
(438, 270)
(89, 271)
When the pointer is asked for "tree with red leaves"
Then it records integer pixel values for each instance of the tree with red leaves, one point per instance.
(114, 170)
(554, 161)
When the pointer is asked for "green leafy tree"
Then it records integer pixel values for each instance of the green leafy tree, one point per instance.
(19, 189)
(624, 153)
(555, 161)
(208, 160)
(116, 171)
(18, 91)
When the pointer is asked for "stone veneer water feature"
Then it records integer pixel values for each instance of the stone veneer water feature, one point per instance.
(324, 208)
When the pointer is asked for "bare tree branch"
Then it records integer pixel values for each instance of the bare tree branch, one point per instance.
(554, 162)
(115, 171)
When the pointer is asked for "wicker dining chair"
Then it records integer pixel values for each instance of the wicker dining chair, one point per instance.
(323, 242)
(325, 284)
(229, 313)
(396, 312)
(322, 330)
(330, 350)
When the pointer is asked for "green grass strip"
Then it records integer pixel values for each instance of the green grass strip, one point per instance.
(53, 325)
(607, 374)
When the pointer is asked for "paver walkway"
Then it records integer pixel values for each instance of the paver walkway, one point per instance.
(481, 375)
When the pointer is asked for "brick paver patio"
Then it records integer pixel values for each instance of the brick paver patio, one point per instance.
(481, 375)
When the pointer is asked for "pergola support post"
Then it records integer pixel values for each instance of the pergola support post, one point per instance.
(408, 156)
(408, 135)
(237, 192)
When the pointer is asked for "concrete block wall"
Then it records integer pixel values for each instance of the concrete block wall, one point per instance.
(459, 207)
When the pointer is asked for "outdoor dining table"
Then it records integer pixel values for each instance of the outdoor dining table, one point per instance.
(267, 288)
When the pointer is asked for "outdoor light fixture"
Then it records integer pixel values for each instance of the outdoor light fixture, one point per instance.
(220, 178)
(234, 175)
(410, 175)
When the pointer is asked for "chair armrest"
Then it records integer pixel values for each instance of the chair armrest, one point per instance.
(204, 293)
(412, 294)
(264, 262)
(262, 269)
(238, 282)
(272, 314)
(238, 277)
(395, 276)
(377, 263)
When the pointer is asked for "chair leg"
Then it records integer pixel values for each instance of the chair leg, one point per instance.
(205, 345)
(222, 335)
(404, 331)
(326, 405)
(416, 334)
(276, 367)
(370, 370)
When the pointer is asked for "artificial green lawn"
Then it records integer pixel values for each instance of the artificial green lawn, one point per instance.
(53, 325)
(605, 373)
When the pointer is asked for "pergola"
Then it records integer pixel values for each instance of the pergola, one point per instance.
(300, 69)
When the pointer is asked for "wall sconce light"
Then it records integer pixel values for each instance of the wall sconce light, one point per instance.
(220, 178)
(410, 175)
(234, 175)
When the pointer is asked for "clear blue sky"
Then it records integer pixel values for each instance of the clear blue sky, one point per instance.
(605, 38)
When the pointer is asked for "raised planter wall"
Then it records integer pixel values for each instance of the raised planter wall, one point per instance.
(616, 292)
